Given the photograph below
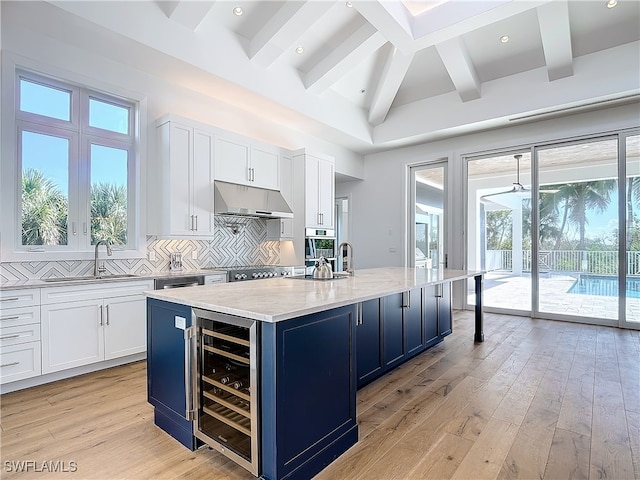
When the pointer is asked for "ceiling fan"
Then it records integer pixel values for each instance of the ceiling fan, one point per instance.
(517, 186)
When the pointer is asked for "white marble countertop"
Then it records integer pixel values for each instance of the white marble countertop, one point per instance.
(276, 299)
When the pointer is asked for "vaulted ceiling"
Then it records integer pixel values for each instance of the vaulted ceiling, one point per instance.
(375, 74)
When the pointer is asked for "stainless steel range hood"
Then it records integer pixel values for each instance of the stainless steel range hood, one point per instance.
(234, 199)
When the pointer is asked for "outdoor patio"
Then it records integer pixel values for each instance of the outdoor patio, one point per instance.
(504, 290)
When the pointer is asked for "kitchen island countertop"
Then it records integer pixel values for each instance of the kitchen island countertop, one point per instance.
(276, 299)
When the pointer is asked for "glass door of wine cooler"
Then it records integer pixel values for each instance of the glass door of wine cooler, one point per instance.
(226, 416)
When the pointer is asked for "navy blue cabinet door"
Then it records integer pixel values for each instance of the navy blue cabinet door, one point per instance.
(430, 316)
(308, 392)
(392, 330)
(444, 310)
(412, 322)
(165, 369)
(369, 363)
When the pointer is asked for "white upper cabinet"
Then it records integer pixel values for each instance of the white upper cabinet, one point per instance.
(179, 189)
(319, 191)
(239, 160)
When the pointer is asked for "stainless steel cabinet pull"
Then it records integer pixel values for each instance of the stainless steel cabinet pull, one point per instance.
(7, 337)
(15, 317)
(9, 364)
(439, 291)
(196, 229)
(12, 299)
(359, 317)
(84, 228)
(107, 314)
(73, 228)
(101, 320)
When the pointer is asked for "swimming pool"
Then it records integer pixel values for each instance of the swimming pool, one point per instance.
(604, 285)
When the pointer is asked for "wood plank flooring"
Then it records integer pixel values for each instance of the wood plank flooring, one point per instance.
(537, 400)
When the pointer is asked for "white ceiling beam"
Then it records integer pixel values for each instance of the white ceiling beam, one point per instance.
(187, 13)
(453, 19)
(555, 31)
(395, 68)
(463, 74)
(392, 19)
(284, 28)
(359, 45)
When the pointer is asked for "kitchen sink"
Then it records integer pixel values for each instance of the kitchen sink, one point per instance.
(88, 278)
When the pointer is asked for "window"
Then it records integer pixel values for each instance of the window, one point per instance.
(76, 166)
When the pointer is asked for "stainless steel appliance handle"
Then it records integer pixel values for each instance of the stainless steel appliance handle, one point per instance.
(178, 285)
(190, 363)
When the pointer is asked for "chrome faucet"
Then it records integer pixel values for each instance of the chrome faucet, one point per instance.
(347, 262)
(101, 269)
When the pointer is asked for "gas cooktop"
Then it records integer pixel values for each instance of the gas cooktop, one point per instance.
(237, 274)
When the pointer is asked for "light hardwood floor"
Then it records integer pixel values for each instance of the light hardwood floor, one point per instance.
(538, 399)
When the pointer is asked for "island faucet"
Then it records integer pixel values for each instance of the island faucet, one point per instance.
(101, 269)
(347, 263)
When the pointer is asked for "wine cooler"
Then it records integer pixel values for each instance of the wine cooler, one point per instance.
(223, 385)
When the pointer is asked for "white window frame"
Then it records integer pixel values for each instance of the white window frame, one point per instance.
(11, 248)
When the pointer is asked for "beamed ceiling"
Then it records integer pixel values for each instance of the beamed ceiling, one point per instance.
(377, 74)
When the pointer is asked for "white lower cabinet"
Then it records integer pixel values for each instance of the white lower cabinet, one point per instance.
(21, 361)
(122, 334)
(110, 325)
(73, 335)
(19, 334)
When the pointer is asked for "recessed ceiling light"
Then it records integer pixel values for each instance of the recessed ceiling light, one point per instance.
(299, 50)
(238, 11)
(504, 39)
(349, 4)
(612, 3)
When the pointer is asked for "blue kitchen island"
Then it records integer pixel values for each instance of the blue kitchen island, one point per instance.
(315, 343)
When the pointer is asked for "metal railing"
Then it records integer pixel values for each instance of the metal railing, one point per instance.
(578, 261)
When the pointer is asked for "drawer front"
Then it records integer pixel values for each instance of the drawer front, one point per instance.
(12, 317)
(95, 291)
(19, 298)
(18, 362)
(19, 334)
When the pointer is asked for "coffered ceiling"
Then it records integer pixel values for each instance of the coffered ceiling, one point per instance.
(373, 74)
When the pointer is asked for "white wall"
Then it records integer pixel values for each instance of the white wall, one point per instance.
(378, 207)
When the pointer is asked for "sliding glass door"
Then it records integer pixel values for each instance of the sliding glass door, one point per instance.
(577, 267)
(499, 229)
(631, 239)
(556, 228)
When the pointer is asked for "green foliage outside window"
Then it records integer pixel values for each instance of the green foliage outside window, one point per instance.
(45, 212)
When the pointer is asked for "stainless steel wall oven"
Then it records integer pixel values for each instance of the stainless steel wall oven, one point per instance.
(222, 378)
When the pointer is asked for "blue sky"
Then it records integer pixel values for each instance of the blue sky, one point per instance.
(50, 154)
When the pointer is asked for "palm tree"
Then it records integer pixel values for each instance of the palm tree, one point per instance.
(109, 213)
(580, 197)
(44, 210)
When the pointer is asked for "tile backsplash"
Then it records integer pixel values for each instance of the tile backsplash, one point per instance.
(237, 241)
